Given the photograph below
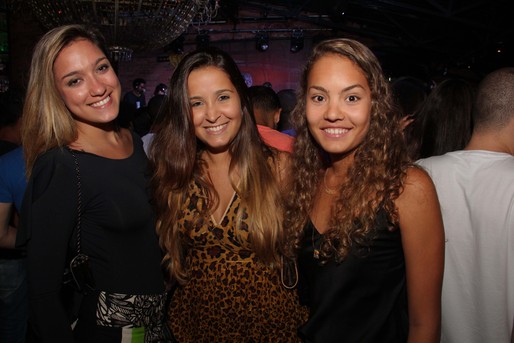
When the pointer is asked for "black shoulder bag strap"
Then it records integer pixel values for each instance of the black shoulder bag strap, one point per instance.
(82, 278)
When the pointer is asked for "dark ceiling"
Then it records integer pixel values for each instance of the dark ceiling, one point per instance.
(475, 34)
(408, 36)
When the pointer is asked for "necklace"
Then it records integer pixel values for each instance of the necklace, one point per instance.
(328, 190)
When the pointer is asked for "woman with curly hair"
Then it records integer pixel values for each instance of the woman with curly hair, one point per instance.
(365, 223)
(219, 209)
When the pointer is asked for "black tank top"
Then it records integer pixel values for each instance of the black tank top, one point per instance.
(363, 298)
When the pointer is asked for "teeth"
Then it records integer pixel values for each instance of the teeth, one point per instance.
(215, 128)
(102, 102)
(336, 131)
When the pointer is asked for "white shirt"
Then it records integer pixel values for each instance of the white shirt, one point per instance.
(147, 141)
(476, 193)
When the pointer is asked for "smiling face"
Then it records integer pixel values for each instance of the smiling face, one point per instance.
(215, 106)
(338, 104)
(87, 83)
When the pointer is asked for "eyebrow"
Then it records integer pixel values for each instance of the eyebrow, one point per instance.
(217, 93)
(76, 71)
(225, 90)
(346, 89)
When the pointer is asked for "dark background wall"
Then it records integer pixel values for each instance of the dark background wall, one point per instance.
(398, 33)
(277, 65)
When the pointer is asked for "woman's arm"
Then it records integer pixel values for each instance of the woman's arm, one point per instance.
(48, 215)
(7, 232)
(423, 244)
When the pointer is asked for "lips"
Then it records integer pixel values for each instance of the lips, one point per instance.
(216, 129)
(336, 131)
(101, 102)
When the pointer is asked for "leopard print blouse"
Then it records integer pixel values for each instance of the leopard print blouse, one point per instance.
(231, 296)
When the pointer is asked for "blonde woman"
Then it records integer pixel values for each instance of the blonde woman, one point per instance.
(69, 123)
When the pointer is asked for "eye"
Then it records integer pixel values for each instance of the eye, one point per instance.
(73, 82)
(317, 98)
(223, 97)
(353, 98)
(195, 103)
(104, 67)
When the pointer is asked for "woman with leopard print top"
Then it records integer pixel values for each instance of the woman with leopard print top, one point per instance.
(218, 197)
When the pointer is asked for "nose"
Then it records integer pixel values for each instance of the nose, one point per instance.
(212, 114)
(97, 87)
(334, 111)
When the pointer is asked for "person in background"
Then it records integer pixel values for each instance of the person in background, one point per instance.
(248, 79)
(154, 109)
(155, 103)
(69, 132)
(12, 188)
(409, 94)
(136, 97)
(145, 116)
(13, 279)
(287, 98)
(133, 100)
(11, 103)
(476, 190)
(160, 89)
(443, 122)
(217, 191)
(365, 223)
(266, 109)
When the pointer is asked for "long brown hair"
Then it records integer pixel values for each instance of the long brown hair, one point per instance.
(374, 180)
(176, 162)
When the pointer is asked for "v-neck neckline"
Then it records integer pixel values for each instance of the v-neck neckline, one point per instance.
(214, 221)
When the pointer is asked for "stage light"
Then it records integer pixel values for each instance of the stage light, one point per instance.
(296, 41)
(262, 41)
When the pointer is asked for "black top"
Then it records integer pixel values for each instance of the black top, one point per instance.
(117, 231)
(362, 299)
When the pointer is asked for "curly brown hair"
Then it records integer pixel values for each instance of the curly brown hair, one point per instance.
(374, 180)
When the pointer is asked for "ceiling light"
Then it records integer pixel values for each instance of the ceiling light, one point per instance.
(262, 41)
(296, 41)
(129, 24)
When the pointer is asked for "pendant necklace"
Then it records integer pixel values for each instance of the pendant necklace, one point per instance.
(316, 252)
(328, 190)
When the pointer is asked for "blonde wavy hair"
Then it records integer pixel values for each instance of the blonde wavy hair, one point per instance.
(175, 157)
(46, 121)
(376, 177)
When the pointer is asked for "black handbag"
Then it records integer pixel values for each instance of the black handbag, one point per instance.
(77, 279)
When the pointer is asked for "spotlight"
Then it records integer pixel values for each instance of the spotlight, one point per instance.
(202, 40)
(262, 41)
(296, 41)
